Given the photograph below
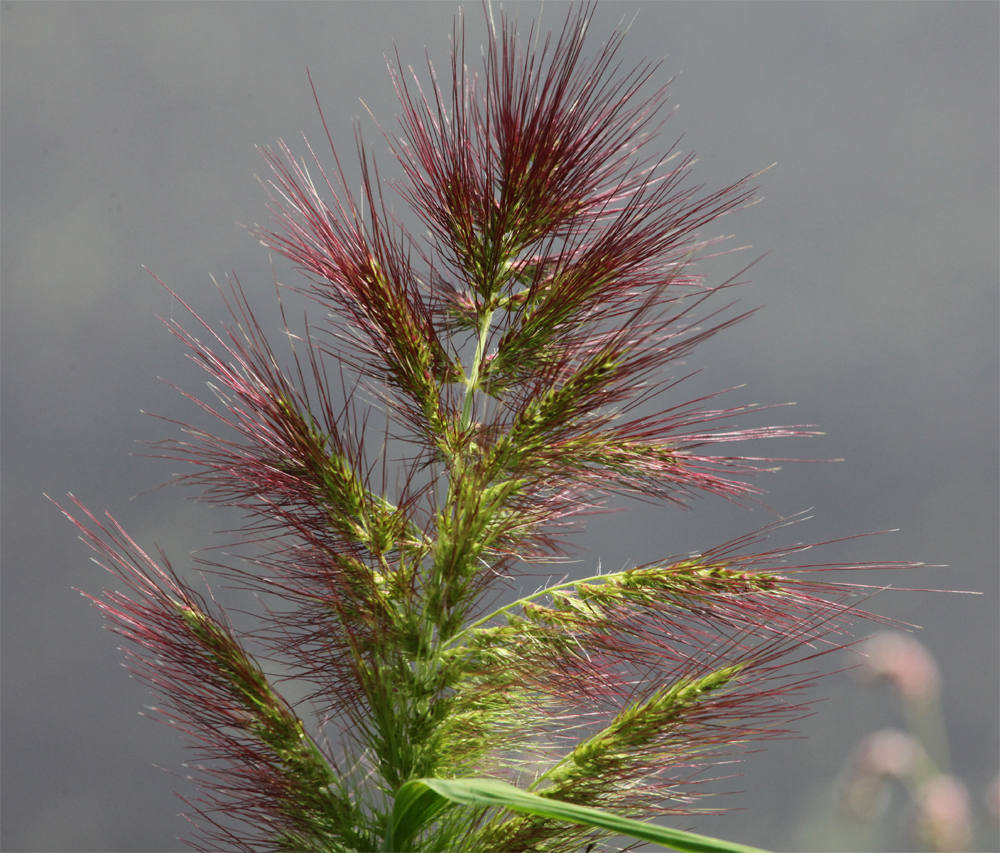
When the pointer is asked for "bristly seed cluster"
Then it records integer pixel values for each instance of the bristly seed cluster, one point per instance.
(511, 351)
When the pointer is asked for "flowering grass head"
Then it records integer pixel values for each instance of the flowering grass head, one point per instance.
(513, 353)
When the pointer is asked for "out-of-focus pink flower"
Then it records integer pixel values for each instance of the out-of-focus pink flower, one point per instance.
(884, 755)
(889, 752)
(905, 662)
(944, 815)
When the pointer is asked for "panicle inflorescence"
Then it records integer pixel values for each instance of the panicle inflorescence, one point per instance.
(514, 353)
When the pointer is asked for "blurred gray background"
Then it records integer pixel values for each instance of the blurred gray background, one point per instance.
(128, 138)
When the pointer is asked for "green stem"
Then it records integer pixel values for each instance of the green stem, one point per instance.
(472, 383)
(528, 598)
(521, 601)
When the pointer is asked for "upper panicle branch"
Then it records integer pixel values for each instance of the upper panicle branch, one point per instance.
(362, 274)
(301, 461)
(542, 145)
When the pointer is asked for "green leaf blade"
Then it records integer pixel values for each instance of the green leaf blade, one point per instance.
(413, 803)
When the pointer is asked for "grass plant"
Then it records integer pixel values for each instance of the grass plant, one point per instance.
(469, 394)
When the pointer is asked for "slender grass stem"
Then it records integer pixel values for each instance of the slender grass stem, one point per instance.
(472, 383)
